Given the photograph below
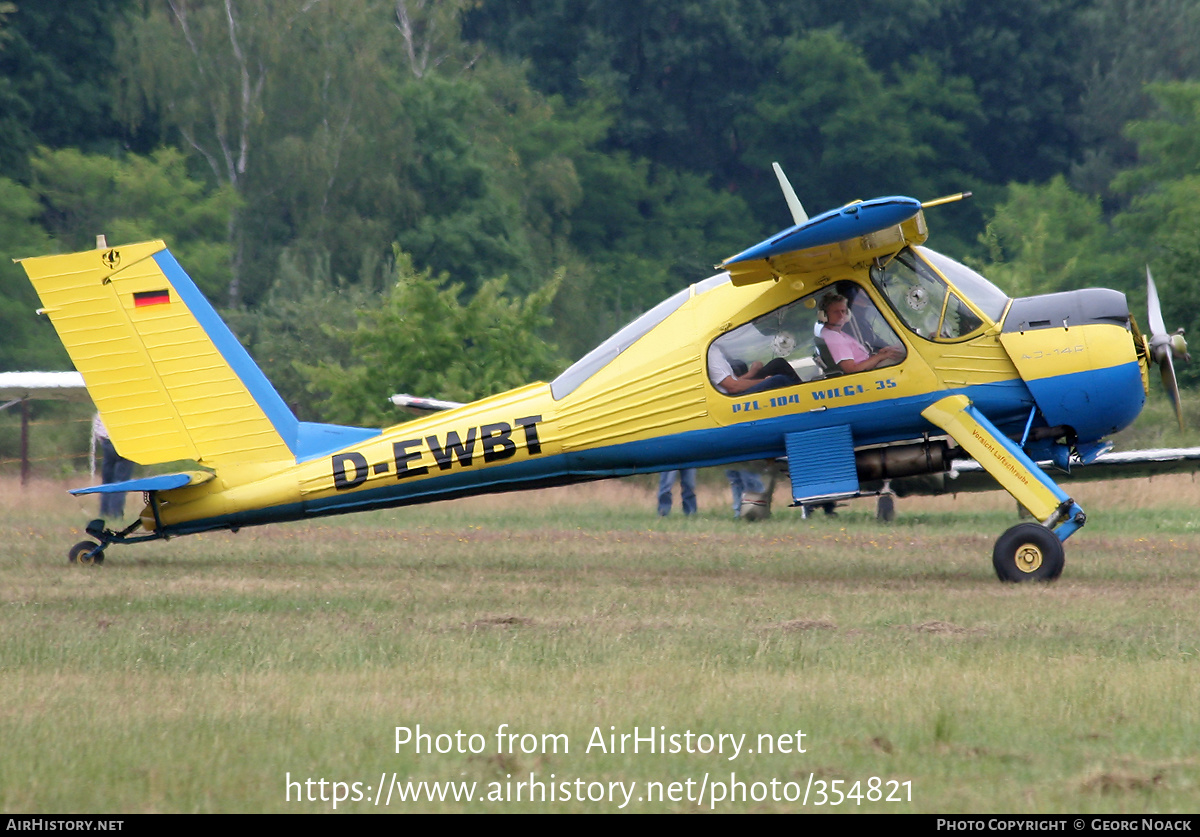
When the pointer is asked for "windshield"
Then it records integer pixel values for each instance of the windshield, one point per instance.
(915, 283)
(985, 296)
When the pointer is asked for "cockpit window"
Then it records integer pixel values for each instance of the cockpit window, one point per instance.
(834, 331)
(915, 285)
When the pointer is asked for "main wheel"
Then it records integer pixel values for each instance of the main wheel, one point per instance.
(86, 553)
(1028, 552)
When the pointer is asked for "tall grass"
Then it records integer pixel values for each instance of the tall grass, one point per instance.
(199, 674)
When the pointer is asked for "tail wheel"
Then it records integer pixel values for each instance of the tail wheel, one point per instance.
(1028, 552)
(86, 553)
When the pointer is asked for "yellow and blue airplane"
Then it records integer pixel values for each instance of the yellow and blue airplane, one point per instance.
(756, 362)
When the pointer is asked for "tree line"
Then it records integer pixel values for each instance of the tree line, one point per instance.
(365, 187)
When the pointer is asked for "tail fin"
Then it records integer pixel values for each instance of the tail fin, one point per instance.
(168, 376)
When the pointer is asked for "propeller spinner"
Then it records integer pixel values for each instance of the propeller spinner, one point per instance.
(1164, 348)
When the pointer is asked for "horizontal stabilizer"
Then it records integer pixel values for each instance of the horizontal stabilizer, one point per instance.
(162, 482)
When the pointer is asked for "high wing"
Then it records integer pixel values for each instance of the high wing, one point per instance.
(828, 237)
(423, 405)
(55, 386)
(968, 476)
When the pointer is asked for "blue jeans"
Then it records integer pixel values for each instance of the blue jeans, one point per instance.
(687, 491)
(739, 483)
(113, 468)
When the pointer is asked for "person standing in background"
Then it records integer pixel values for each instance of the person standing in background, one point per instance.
(687, 491)
(113, 468)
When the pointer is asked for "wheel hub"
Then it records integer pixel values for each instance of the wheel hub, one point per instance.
(1028, 558)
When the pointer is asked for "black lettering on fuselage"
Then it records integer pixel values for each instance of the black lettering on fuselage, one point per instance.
(403, 457)
(493, 436)
(532, 442)
(350, 470)
(454, 447)
(340, 481)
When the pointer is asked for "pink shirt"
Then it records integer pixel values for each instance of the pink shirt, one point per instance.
(843, 346)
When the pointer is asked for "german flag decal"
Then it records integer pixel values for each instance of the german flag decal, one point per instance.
(144, 298)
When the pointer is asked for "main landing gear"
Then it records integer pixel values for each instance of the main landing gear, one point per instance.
(1028, 552)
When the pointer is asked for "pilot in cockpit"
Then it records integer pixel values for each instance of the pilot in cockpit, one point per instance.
(846, 351)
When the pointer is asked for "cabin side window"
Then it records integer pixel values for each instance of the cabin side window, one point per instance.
(834, 331)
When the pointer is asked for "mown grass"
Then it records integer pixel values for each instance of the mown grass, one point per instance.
(200, 673)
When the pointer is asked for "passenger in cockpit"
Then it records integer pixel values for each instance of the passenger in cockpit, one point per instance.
(735, 376)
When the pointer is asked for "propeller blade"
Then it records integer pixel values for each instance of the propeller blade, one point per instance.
(1167, 368)
(799, 216)
(1157, 327)
(1164, 348)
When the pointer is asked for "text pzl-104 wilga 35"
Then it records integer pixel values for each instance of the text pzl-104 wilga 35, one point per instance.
(841, 343)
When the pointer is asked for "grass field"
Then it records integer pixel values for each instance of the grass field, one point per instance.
(208, 672)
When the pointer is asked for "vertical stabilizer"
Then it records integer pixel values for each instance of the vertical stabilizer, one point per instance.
(168, 376)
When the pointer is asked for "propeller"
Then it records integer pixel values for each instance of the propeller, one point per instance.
(799, 216)
(1164, 348)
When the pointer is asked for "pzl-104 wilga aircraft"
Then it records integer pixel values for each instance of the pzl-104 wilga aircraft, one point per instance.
(840, 343)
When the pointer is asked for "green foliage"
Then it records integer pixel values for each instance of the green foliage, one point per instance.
(1167, 144)
(844, 130)
(1050, 237)
(1023, 59)
(629, 141)
(1130, 43)
(678, 72)
(489, 194)
(304, 318)
(958, 95)
(230, 80)
(1044, 238)
(645, 232)
(29, 340)
(134, 199)
(1162, 223)
(56, 61)
(73, 198)
(426, 340)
